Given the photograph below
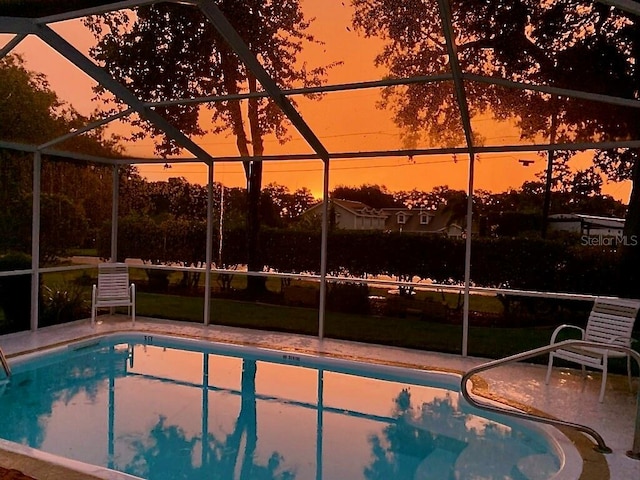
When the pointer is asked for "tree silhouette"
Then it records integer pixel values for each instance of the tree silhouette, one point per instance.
(30, 112)
(169, 51)
(437, 440)
(166, 452)
(585, 46)
(25, 413)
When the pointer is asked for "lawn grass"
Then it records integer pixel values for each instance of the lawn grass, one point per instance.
(401, 332)
(409, 332)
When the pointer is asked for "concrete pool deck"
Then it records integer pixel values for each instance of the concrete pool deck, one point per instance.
(569, 396)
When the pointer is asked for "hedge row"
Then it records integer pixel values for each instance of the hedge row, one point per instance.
(519, 263)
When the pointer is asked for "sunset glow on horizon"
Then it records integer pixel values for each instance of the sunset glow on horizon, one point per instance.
(343, 121)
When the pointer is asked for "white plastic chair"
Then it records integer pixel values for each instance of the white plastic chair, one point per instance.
(113, 290)
(610, 322)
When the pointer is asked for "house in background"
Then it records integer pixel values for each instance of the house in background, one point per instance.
(592, 226)
(352, 215)
(440, 221)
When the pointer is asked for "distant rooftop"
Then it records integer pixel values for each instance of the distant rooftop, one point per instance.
(590, 220)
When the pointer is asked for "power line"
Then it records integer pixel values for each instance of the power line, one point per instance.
(354, 167)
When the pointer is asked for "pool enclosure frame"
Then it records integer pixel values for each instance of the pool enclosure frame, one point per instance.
(20, 24)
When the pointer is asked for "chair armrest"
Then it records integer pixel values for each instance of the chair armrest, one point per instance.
(627, 341)
(562, 327)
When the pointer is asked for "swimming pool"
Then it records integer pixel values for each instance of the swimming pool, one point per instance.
(164, 408)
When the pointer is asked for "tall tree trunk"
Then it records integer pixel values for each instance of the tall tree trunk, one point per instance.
(252, 170)
(255, 285)
(629, 267)
(245, 425)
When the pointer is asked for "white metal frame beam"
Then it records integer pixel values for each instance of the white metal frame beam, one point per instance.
(87, 66)
(85, 12)
(560, 92)
(235, 41)
(20, 26)
(86, 128)
(11, 44)
(461, 97)
(226, 30)
(373, 154)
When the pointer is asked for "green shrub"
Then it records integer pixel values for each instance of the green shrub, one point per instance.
(558, 265)
(299, 296)
(158, 281)
(85, 280)
(348, 298)
(63, 303)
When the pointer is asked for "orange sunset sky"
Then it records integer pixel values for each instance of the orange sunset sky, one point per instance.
(344, 121)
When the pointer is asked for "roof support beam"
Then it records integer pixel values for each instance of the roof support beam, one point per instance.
(87, 66)
(387, 82)
(219, 21)
(86, 128)
(445, 17)
(461, 97)
(101, 9)
(561, 92)
(424, 152)
(13, 43)
(17, 25)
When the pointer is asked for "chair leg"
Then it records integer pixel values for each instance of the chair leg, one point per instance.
(546, 380)
(604, 379)
(93, 306)
(132, 290)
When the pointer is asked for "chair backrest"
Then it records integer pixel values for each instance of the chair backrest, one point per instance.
(113, 280)
(612, 318)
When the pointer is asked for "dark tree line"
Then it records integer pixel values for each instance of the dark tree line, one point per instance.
(169, 51)
(585, 46)
(75, 197)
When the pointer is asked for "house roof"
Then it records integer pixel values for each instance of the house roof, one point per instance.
(588, 220)
(358, 208)
(441, 219)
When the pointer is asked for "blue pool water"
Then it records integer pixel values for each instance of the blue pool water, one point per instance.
(167, 409)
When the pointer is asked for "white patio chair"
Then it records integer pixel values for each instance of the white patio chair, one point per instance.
(113, 290)
(610, 322)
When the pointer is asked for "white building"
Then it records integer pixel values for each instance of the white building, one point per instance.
(592, 226)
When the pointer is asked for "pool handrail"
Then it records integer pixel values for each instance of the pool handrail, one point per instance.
(601, 445)
(5, 364)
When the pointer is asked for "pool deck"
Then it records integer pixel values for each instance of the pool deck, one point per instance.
(569, 396)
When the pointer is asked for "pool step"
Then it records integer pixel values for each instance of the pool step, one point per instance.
(438, 465)
(538, 467)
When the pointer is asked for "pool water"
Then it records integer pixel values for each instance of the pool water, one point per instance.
(163, 408)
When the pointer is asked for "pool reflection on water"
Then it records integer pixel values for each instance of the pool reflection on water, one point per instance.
(161, 413)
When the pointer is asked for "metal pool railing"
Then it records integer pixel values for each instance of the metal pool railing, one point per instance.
(601, 445)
